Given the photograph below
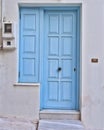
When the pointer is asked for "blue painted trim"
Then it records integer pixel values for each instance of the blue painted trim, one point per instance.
(61, 8)
(73, 8)
(41, 73)
(19, 50)
(78, 52)
(78, 60)
(41, 56)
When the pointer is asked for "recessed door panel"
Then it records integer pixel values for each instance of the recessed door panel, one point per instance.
(66, 69)
(67, 44)
(52, 68)
(53, 20)
(67, 23)
(53, 88)
(66, 91)
(53, 46)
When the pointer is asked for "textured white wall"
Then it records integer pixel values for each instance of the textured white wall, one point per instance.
(22, 101)
(93, 74)
(0, 20)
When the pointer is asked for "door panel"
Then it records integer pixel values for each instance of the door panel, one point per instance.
(66, 89)
(52, 68)
(53, 47)
(28, 69)
(59, 59)
(66, 69)
(67, 23)
(53, 88)
(53, 24)
(66, 46)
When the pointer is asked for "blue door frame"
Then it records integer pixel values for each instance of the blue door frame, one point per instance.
(43, 98)
(37, 52)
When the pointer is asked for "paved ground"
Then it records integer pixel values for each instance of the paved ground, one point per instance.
(21, 124)
(16, 124)
(60, 125)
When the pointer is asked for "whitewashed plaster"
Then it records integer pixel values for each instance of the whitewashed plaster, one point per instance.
(24, 100)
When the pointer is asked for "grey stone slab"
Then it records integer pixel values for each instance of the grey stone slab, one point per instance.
(59, 115)
(60, 125)
(16, 124)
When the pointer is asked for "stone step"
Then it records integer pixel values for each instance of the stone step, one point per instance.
(60, 125)
(60, 114)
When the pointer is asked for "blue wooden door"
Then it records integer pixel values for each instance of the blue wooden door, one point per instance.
(59, 80)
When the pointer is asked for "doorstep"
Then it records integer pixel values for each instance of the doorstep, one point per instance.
(59, 114)
(60, 125)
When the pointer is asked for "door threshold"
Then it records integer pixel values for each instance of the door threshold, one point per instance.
(60, 114)
(59, 111)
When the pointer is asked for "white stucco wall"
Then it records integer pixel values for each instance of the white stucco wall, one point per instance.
(93, 74)
(24, 100)
(0, 21)
(16, 100)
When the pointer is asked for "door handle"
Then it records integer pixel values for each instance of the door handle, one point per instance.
(59, 69)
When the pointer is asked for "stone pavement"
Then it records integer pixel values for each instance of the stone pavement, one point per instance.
(22, 124)
(16, 124)
(60, 125)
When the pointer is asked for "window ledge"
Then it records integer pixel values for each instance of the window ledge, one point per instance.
(27, 84)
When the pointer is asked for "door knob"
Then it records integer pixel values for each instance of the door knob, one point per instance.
(59, 69)
(74, 69)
